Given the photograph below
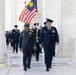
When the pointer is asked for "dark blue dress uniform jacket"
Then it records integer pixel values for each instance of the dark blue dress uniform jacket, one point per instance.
(15, 35)
(49, 37)
(27, 39)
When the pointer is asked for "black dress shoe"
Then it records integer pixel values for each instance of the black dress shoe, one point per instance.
(16, 52)
(13, 50)
(54, 55)
(47, 69)
(25, 69)
(37, 59)
(29, 67)
(50, 67)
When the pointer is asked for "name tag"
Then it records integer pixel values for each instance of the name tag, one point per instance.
(53, 31)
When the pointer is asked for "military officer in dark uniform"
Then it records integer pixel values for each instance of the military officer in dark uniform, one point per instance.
(49, 38)
(10, 35)
(33, 51)
(7, 38)
(26, 42)
(37, 35)
(15, 38)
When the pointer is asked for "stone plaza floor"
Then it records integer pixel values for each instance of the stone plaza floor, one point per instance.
(60, 66)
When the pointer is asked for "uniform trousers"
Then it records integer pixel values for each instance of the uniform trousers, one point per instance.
(48, 52)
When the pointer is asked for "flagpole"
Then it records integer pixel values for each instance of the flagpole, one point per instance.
(25, 3)
(36, 17)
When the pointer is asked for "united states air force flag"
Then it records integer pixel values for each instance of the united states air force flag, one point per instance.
(29, 12)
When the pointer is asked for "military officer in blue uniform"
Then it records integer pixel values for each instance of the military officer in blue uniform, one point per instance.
(15, 38)
(49, 39)
(10, 35)
(27, 42)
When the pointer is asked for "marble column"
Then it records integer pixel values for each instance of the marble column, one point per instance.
(13, 11)
(44, 11)
(2, 29)
(7, 15)
(68, 25)
(75, 29)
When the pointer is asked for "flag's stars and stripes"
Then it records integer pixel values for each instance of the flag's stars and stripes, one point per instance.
(29, 12)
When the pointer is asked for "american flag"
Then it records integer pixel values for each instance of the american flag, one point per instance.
(29, 12)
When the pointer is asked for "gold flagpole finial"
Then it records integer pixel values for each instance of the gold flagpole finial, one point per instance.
(25, 3)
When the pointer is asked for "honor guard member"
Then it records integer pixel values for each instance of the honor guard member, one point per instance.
(26, 42)
(15, 38)
(10, 35)
(49, 38)
(37, 35)
(7, 38)
(40, 32)
(33, 51)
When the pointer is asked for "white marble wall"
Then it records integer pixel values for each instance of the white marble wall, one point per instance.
(68, 25)
(7, 15)
(10, 14)
(44, 11)
(2, 28)
(75, 28)
(13, 12)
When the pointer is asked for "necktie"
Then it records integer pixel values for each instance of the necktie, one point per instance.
(48, 28)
